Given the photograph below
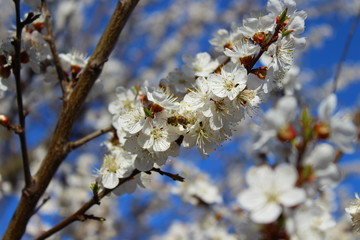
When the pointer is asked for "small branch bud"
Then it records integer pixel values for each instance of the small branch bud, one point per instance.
(4, 120)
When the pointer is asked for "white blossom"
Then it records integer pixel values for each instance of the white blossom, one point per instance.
(155, 136)
(222, 38)
(342, 130)
(201, 65)
(277, 120)
(270, 190)
(321, 163)
(310, 221)
(198, 189)
(117, 164)
(241, 48)
(252, 25)
(229, 82)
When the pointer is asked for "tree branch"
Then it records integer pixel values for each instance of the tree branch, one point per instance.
(75, 144)
(345, 50)
(16, 67)
(70, 108)
(175, 177)
(49, 38)
(80, 215)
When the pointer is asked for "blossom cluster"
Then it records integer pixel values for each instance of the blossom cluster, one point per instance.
(305, 150)
(199, 105)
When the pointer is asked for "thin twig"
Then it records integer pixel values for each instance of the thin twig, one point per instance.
(42, 204)
(16, 67)
(75, 144)
(175, 177)
(345, 50)
(49, 38)
(11, 127)
(92, 217)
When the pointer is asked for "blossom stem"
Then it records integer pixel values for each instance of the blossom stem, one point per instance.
(175, 177)
(75, 144)
(264, 47)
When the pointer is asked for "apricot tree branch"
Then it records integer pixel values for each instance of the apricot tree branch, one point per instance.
(75, 144)
(57, 151)
(80, 215)
(49, 38)
(16, 68)
(345, 50)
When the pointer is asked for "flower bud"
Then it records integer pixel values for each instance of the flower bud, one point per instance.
(287, 133)
(282, 18)
(4, 120)
(259, 37)
(322, 130)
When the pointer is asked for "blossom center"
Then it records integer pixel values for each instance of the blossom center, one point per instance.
(246, 96)
(110, 163)
(157, 133)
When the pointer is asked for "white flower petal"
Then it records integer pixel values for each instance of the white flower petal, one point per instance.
(260, 177)
(109, 180)
(161, 145)
(292, 197)
(145, 141)
(251, 199)
(327, 108)
(285, 177)
(143, 164)
(269, 213)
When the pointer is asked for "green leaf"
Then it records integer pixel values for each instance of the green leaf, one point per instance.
(148, 112)
(94, 188)
(282, 17)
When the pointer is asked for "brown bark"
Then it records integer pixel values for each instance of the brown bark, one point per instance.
(58, 151)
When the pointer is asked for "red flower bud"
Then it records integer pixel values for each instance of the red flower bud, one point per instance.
(4, 120)
(259, 37)
(322, 130)
(287, 133)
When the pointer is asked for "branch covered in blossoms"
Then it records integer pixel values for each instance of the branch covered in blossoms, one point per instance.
(80, 215)
(56, 153)
(200, 105)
